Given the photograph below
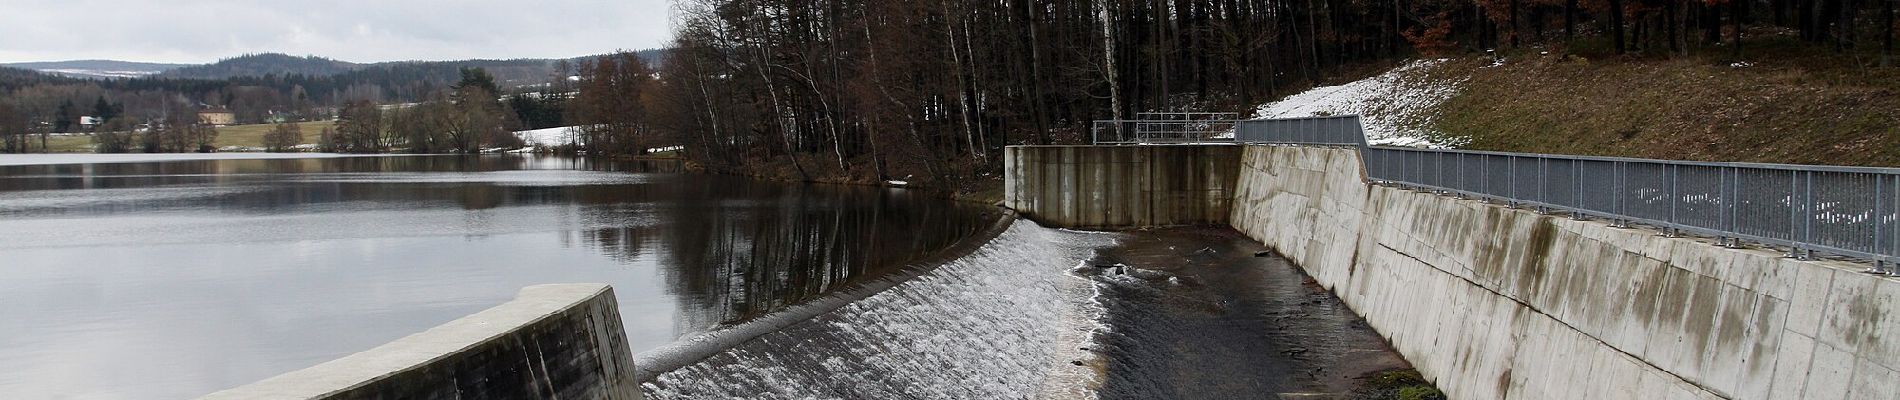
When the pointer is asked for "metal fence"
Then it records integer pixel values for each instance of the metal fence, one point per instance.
(1164, 129)
(1334, 130)
(1844, 211)
(1847, 211)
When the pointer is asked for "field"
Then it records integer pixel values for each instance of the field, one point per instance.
(235, 135)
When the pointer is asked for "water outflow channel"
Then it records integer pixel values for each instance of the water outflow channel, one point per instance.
(1034, 313)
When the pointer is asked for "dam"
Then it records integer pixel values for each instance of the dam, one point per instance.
(1291, 268)
(1539, 293)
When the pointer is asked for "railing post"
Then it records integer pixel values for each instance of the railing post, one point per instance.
(1880, 190)
(1512, 199)
(1671, 172)
(1732, 203)
(1794, 214)
(1543, 175)
(1807, 224)
(1576, 189)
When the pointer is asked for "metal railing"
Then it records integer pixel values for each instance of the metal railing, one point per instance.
(1846, 211)
(1163, 129)
(1334, 130)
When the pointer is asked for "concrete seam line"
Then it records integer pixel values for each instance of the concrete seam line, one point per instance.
(1817, 334)
(1559, 321)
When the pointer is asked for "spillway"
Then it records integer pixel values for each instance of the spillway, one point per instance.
(1008, 320)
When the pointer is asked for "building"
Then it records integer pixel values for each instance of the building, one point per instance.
(217, 117)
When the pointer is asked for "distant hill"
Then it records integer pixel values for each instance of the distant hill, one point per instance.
(402, 79)
(95, 69)
(263, 64)
(517, 71)
(14, 78)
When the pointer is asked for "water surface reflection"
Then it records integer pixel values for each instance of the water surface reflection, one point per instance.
(174, 279)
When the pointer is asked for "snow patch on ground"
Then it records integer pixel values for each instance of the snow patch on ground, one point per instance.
(1397, 107)
(550, 137)
(562, 136)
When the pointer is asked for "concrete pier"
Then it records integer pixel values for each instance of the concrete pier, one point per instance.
(1493, 302)
(550, 342)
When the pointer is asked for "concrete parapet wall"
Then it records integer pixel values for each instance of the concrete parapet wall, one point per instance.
(1499, 303)
(550, 342)
(1120, 187)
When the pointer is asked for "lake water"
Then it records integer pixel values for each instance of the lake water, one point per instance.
(169, 280)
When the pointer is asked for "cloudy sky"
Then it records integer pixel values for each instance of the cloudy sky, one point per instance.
(202, 31)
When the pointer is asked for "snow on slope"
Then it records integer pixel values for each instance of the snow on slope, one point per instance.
(1396, 107)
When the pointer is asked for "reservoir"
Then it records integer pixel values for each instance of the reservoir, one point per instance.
(169, 280)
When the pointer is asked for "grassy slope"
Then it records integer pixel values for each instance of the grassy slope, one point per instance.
(235, 135)
(1807, 109)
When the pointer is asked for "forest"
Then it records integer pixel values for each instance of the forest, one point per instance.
(932, 90)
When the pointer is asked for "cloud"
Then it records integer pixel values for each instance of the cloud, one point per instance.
(199, 31)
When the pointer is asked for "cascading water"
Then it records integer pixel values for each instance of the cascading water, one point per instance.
(1008, 320)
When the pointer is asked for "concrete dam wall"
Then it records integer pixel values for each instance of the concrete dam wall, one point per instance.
(550, 342)
(1493, 302)
(1095, 187)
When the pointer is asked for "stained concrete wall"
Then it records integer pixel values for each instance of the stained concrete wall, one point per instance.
(1120, 187)
(1499, 303)
(550, 342)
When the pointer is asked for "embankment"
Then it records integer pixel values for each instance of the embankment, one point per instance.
(1493, 302)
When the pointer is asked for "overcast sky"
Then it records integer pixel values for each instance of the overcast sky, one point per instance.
(203, 31)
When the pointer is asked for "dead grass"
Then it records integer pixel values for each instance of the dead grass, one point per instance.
(1798, 107)
(235, 135)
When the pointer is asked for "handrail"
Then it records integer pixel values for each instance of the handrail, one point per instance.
(1839, 210)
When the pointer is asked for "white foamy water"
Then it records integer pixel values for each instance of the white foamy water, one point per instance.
(1006, 321)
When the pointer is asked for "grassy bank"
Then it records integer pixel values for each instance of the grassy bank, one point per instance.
(235, 135)
(1806, 108)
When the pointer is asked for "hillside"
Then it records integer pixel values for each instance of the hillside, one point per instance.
(257, 65)
(97, 69)
(1679, 109)
(263, 64)
(1805, 110)
(16, 78)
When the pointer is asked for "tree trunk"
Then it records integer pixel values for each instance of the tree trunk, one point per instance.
(1108, 59)
(1616, 25)
(1515, 33)
(1886, 42)
(1735, 14)
(956, 68)
(1570, 20)
(1035, 78)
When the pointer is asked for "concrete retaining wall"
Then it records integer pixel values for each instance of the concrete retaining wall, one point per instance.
(550, 342)
(1120, 187)
(1499, 303)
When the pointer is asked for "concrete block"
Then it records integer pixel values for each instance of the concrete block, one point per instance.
(1809, 301)
(1873, 382)
(1791, 367)
(1850, 316)
(1829, 374)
